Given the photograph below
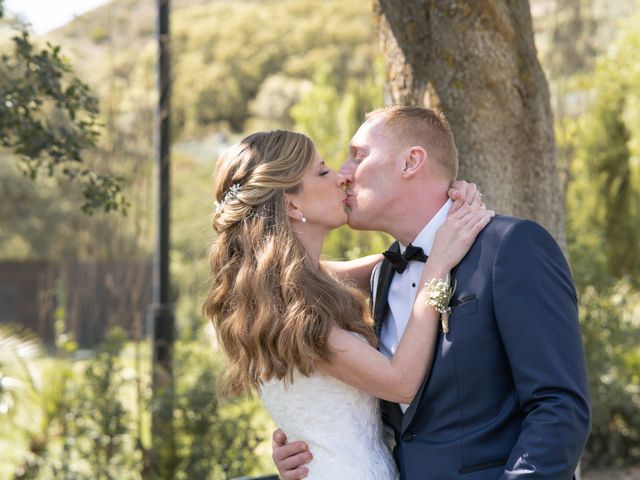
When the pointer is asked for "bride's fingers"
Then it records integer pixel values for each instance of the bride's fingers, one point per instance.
(465, 191)
(293, 466)
(464, 209)
(478, 221)
(284, 454)
(457, 235)
(464, 215)
(457, 198)
(476, 199)
(476, 215)
(472, 223)
(481, 222)
(296, 474)
(461, 223)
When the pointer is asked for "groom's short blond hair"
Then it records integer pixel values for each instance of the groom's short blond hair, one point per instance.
(426, 128)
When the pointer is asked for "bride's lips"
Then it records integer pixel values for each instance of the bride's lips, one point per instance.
(347, 198)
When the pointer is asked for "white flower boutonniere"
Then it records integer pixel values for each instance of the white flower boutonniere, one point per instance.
(439, 295)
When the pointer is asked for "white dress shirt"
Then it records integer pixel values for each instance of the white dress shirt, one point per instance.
(404, 287)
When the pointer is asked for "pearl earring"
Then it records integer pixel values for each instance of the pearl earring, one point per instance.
(303, 219)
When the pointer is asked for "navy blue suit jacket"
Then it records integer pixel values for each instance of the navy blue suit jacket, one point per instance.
(506, 397)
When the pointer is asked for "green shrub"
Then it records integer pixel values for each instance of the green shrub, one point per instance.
(97, 423)
(611, 334)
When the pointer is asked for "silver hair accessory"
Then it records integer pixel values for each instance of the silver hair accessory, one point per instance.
(230, 195)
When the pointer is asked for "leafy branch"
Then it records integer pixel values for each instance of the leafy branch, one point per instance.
(48, 117)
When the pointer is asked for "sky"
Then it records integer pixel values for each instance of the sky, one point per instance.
(45, 15)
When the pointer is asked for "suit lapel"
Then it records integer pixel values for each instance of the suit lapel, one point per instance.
(391, 412)
(382, 291)
(411, 411)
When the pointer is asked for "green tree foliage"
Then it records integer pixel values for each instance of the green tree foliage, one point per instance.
(603, 199)
(48, 117)
(224, 51)
(609, 318)
(603, 207)
(42, 218)
(277, 94)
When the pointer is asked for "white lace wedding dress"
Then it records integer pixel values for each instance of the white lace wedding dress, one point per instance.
(340, 423)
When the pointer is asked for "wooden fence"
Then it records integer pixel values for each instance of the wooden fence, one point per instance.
(90, 296)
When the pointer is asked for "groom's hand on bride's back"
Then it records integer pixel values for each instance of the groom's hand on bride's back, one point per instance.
(290, 457)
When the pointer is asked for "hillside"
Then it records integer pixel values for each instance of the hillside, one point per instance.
(223, 52)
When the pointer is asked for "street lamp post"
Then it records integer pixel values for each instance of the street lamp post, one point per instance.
(161, 311)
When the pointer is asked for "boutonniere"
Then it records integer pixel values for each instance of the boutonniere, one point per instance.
(439, 293)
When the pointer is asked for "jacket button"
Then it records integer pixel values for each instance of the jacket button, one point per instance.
(408, 436)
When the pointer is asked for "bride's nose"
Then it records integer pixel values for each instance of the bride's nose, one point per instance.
(341, 180)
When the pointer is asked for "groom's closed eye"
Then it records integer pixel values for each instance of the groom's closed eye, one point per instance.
(356, 154)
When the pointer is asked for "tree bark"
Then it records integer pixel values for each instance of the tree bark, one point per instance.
(476, 61)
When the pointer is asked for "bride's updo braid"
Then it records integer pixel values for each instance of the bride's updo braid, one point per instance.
(271, 308)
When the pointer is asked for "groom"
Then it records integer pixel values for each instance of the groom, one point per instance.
(506, 397)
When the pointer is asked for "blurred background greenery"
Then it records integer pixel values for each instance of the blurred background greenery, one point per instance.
(76, 404)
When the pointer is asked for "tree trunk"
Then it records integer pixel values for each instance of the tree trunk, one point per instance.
(476, 61)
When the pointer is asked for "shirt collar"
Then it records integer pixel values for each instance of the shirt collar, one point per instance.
(426, 237)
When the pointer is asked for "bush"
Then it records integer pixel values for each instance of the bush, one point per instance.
(612, 337)
(97, 423)
(213, 441)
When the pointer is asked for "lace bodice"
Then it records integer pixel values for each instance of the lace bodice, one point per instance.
(340, 423)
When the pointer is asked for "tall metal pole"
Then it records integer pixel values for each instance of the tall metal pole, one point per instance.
(162, 310)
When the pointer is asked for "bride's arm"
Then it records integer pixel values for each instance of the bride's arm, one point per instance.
(397, 379)
(358, 270)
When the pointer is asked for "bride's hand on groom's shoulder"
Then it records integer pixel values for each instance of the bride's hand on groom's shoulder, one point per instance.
(457, 234)
(289, 458)
(464, 193)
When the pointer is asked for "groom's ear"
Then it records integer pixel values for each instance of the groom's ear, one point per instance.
(414, 160)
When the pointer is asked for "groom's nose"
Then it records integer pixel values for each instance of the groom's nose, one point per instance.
(346, 172)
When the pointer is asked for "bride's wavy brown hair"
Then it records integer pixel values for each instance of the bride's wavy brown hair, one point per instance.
(272, 309)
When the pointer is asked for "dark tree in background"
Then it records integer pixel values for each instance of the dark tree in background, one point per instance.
(477, 62)
(48, 118)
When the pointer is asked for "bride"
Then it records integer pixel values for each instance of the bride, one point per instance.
(298, 330)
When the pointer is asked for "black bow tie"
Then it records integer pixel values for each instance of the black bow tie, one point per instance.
(399, 261)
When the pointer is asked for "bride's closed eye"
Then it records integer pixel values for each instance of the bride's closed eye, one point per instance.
(322, 174)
